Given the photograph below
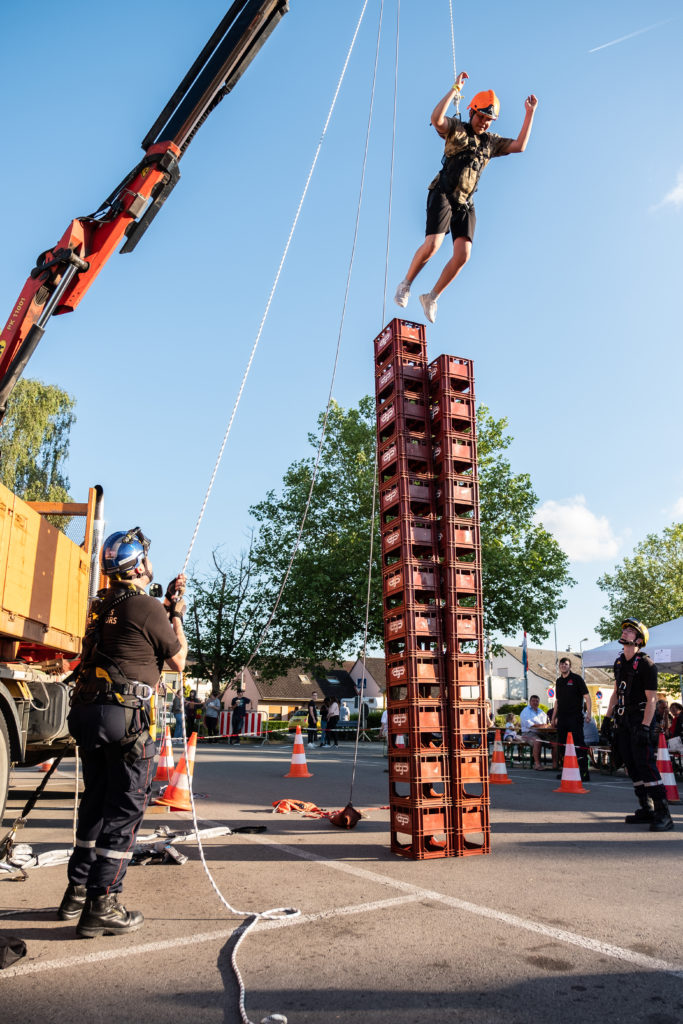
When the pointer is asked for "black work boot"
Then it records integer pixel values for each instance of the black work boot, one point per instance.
(72, 903)
(104, 915)
(663, 822)
(644, 814)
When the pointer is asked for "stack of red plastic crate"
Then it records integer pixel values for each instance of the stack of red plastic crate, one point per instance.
(433, 622)
(453, 416)
(419, 754)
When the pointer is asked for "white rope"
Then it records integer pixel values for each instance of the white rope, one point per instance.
(450, 10)
(391, 170)
(272, 293)
(323, 432)
(277, 912)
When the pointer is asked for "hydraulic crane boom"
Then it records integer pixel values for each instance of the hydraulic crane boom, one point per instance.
(63, 274)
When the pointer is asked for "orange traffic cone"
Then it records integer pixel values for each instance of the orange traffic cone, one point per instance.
(298, 768)
(571, 775)
(46, 765)
(498, 773)
(166, 766)
(177, 793)
(666, 771)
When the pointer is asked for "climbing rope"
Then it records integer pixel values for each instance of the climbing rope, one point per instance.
(278, 912)
(455, 70)
(272, 293)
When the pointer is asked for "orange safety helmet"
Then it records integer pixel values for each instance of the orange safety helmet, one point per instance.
(485, 103)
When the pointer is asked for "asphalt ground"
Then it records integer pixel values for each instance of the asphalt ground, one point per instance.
(573, 915)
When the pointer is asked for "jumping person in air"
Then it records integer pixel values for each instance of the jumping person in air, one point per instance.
(468, 149)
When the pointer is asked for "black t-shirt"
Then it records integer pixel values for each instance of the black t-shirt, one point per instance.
(570, 694)
(633, 678)
(312, 713)
(240, 706)
(138, 636)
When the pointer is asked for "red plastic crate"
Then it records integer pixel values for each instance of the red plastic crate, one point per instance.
(462, 625)
(453, 412)
(451, 371)
(411, 575)
(415, 718)
(405, 336)
(424, 834)
(418, 767)
(469, 771)
(419, 621)
(467, 718)
(420, 668)
(407, 488)
(471, 830)
(458, 578)
(425, 693)
(457, 455)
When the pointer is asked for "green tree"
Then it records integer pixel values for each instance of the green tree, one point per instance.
(224, 618)
(647, 586)
(321, 613)
(34, 441)
(322, 609)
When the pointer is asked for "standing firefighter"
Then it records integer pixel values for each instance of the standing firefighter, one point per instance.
(450, 202)
(127, 642)
(629, 715)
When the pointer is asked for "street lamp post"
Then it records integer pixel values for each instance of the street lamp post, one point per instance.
(581, 643)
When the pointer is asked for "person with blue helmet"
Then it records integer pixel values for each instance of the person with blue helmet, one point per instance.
(129, 638)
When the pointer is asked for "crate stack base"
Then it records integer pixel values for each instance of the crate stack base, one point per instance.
(419, 752)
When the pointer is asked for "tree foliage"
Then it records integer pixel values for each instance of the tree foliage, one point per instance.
(647, 586)
(34, 441)
(322, 609)
(225, 613)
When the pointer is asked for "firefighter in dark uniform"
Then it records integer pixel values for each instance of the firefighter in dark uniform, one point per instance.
(129, 637)
(629, 716)
(568, 713)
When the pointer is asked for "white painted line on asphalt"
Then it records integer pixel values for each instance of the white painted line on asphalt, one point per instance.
(38, 966)
(537, 927)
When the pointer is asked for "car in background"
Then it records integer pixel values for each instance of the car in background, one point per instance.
(298, 717)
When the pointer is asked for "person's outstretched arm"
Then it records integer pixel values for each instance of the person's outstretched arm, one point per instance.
(519, 145)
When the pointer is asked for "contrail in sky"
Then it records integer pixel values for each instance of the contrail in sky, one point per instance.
(640, 31)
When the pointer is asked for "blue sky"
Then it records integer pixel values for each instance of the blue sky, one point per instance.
(570, 305)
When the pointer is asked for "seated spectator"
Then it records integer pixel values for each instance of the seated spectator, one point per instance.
(591, 735)
(510, 735)
(674, 711)
(531, 718)
(675, 743)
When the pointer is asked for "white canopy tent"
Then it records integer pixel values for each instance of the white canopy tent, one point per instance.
(665, 647)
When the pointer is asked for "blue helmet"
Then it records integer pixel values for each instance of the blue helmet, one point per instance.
(123, 553)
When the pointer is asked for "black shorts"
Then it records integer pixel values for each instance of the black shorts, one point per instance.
(442, 216)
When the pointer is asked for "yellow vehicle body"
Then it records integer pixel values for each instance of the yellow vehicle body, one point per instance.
(44, 576)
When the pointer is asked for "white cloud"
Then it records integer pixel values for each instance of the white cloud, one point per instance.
(584, 536)
(678, 508)
(675, 196)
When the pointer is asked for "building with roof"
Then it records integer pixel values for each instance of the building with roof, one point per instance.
(505, 676)
(286, 693)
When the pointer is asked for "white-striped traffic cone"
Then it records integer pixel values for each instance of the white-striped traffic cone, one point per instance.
(46, 765)
(177, 793)
(166, 765)
(298, 768)
(498, 773)
(571, 774)
(665, 769)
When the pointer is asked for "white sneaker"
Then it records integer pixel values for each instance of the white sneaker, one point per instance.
(402, 294)
(429, 306)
